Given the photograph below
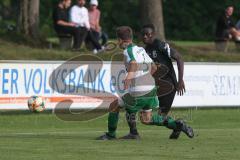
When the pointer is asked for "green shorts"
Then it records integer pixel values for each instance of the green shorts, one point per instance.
(145, 102)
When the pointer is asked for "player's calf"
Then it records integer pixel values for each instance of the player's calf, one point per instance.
(176, 125)
(132, 123)
(113, 117)
(146, 117)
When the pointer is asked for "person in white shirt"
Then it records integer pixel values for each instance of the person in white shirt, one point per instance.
(79, 15)
(63, 26)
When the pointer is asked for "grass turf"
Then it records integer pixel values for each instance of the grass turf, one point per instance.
(190, 51)
(43, 136)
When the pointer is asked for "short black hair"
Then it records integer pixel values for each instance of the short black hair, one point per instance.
(124, 32)
(229, 6)
(151, 26)
(62, 0)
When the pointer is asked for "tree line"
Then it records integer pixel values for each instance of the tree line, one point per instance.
(177, 20)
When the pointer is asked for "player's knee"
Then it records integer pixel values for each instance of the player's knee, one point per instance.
(114, 107)
(145, 118)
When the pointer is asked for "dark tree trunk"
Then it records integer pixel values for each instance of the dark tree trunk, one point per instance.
(152, 13)
(29, 18)
(33, 18)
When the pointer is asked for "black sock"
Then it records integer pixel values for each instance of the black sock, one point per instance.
(131, 119)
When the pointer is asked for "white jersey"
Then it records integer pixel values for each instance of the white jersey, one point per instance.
(143, 82)
(79, 15)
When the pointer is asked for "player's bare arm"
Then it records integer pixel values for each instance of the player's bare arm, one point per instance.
(180, 64)
(132, 68)
(154, 69)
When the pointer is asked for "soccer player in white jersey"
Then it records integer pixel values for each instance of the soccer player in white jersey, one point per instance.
(141, 93)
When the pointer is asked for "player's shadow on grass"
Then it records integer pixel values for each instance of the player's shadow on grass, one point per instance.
(47, 136)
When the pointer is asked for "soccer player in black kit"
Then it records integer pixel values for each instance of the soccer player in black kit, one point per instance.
(167, 83)
(162, 54)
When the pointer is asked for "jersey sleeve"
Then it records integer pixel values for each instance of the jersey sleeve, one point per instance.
(164, 48)
(57, 15)
(87, 24)
(148, 59)
(129, 56)
(73, 15)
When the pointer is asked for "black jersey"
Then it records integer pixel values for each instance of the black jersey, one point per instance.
(160, 52)
(60, 14)
(224, 23)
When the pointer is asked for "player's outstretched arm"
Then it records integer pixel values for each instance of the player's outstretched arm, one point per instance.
(180, 64)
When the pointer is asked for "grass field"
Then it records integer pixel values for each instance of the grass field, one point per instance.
(28, 136)
(190, 51)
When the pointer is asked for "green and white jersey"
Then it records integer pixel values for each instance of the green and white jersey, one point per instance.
(143, 82)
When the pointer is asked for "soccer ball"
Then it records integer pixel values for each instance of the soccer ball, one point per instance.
(36, 104)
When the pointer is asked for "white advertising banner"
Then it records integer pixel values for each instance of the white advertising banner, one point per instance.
(207, 84)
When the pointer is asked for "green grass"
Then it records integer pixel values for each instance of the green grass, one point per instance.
(191, 51)
(193, 43)
(197, 51)
(42, 136)
(14, 51)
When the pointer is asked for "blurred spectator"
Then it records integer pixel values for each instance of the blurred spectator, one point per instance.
(79, 16)
(94, 16)
(94, 19)
(63, 26)
(237, 26)
(225, 28)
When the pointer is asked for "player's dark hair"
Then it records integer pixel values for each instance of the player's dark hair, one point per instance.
(124, 33)
(62, 0)
(229, 6)
(151, 26)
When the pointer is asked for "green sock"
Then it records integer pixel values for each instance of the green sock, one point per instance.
(171, 124)
(112, 123)
(162, 121)
(157, 120)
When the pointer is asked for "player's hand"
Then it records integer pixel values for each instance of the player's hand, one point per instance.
(181, 88)
(88, 28)
(127, 83)
(72, 24)
(154, 70)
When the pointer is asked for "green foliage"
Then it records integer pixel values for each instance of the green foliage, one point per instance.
(8, 13)
(184, 20)
(194, 20)
(116, 13)
(46, 22)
